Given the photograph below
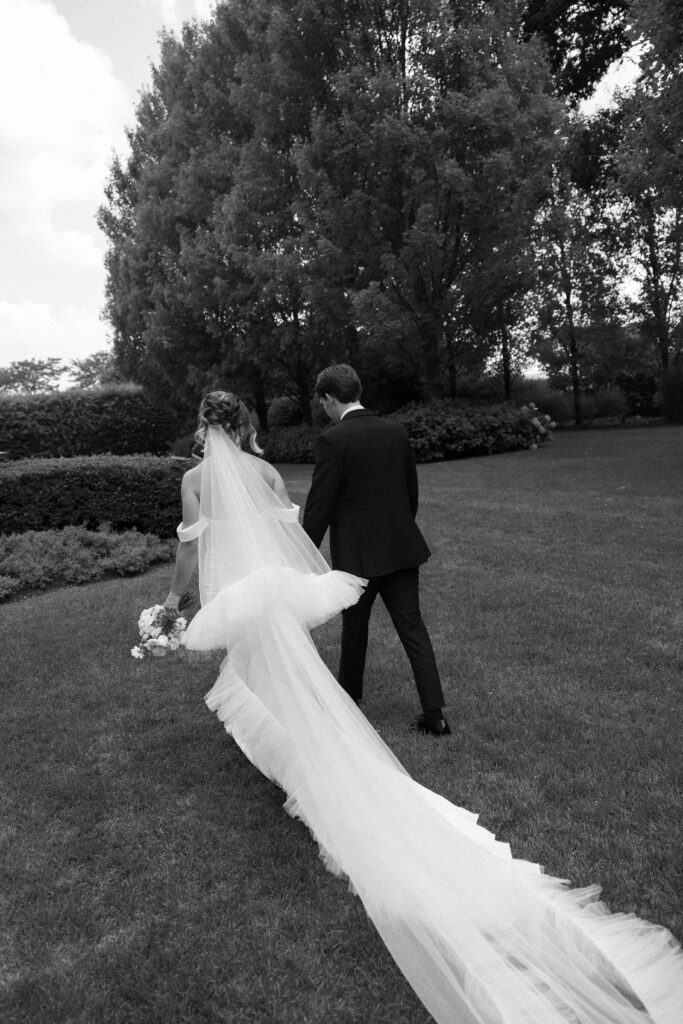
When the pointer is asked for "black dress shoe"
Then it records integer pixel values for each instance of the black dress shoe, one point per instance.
(433, 726)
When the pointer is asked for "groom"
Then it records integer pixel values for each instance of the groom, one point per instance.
(365, 489)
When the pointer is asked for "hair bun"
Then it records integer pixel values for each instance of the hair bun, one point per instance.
(223, 411)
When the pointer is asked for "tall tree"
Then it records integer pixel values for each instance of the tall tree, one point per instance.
(200, 219)
(582, 39)
(30, 376)
(650, 172)
(440, 125)
(314, 180)
(95, 370)
(578, 278)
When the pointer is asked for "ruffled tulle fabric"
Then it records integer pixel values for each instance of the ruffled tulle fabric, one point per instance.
(483, 938)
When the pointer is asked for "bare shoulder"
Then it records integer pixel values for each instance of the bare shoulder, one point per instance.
(270, 475)
(263, 468)
(192, 479)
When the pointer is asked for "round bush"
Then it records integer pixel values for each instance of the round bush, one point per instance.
(283, 412)
(290, 444)
(444, 430)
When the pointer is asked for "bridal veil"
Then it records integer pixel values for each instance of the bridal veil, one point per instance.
(482, 937)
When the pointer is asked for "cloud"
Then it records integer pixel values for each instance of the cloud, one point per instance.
(175, 12)
(33, 330)
(63, 113)
(204, 8)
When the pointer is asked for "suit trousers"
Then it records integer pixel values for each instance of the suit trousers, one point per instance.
(400, 594)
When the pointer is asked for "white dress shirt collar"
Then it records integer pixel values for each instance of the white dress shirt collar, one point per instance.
(351, 408)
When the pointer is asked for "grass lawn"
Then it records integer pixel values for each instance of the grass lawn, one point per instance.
(150, 873)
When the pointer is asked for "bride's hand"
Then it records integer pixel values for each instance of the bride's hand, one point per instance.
(171, 606)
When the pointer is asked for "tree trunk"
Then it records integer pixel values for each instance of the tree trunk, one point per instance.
(451, 369)
(507, 363)
(432, 337)
(260, 404)
(571, 332)
(658, 294)
(576, 381)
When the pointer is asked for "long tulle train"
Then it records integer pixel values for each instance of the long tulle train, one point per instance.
(483, 938)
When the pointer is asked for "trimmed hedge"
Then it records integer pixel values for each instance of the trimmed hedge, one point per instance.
(126, 492)
(142, 492)
(120, 420)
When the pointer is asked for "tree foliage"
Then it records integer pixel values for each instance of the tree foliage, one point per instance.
(31, 376)
(95, 371)
(582, 39)
(578, 295)
(649, 171)
(315, 181)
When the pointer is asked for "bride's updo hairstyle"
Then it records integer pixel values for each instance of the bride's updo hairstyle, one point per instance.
(223, 409)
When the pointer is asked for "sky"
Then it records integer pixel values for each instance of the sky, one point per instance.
(70, 76)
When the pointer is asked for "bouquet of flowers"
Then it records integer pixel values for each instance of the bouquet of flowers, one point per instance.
(159, 632)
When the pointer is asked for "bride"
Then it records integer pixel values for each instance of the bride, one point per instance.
(482, 938)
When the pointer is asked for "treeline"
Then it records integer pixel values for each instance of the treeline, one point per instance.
(407, 186)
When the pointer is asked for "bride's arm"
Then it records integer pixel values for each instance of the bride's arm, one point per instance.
(186, 555)
(277, 484)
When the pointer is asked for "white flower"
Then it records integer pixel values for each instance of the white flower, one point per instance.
(158, 633)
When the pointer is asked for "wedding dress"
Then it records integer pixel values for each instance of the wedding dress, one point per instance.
(482, 938)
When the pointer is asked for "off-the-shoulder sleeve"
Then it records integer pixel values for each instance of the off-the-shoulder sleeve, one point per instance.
(287, 515)
(192, 532)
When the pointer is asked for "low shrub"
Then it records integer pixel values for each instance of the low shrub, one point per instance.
(120, 419)
(444, 430)
(139, 492)
(290, 444)
(283, 412)
(184, 447)
(610, 402)
(35, 560)
(556, 404)
(440, 430)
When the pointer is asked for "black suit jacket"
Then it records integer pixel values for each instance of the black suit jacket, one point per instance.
(365, 489)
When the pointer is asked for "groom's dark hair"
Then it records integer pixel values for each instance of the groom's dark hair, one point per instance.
(341, 381)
